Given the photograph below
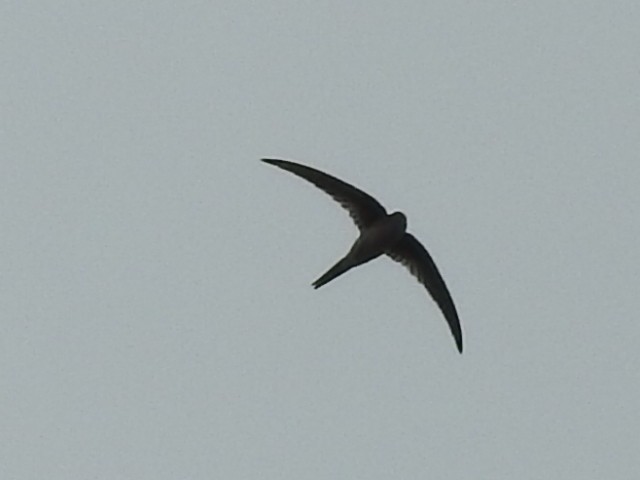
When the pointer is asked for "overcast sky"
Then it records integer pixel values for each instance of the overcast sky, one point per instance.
(156, 316)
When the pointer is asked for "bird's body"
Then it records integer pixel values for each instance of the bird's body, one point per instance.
(372, 242)
(380, 233)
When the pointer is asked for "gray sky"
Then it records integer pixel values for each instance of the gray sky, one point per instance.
(157, 315)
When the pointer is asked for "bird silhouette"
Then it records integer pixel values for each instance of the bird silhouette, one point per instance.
(380, 233)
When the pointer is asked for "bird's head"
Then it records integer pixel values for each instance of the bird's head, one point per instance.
(399, 219)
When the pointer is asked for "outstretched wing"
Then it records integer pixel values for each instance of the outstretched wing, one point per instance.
(363, 208)
(410, 252)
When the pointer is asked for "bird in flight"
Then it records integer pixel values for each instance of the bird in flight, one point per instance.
(380, 233)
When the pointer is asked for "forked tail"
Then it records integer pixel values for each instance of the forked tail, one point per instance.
(338, 269)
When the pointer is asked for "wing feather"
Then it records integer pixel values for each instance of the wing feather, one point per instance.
(363, 208)
(410, 253)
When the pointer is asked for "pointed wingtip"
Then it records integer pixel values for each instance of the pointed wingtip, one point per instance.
(271, 161)
(459, 345)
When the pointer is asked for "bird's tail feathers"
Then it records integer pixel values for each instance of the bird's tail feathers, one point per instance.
(338, 269)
